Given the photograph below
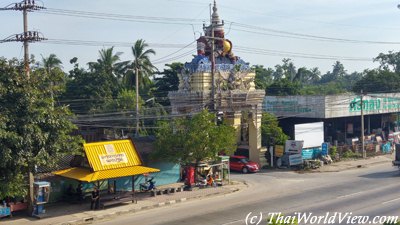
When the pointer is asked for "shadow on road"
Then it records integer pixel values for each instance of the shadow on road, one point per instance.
(382, 175)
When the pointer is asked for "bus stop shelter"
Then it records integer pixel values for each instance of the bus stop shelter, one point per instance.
(108, 160)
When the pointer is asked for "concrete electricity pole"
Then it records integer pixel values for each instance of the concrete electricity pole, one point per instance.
(137, 99)
(362, 125)
(27, 36)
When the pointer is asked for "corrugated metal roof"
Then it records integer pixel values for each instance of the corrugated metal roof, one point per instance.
(85, 175)
(112, 155)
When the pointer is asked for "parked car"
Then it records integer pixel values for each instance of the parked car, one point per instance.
(243, 164)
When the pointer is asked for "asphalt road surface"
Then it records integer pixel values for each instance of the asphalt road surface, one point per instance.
(372, 191)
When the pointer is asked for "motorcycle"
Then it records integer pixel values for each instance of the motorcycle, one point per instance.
(148, 185)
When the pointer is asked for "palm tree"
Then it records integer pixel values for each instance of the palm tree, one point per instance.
(142, 67)
(51, 62)
(108, 63)
(50, 65)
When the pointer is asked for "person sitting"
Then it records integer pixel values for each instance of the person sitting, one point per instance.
(210, 180)
(70, 191)
(79, 192)
(95, 198)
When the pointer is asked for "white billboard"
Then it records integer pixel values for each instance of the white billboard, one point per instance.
(311, 133)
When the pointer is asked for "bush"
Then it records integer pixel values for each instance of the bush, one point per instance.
(333, 152)
(350, 154)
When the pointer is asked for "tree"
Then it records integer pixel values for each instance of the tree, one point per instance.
(389, 61)
(168, 82)
(194, 140)
(141, 63)
(109, 63)
(32, 132)
(271, 133)
(89, 91)
(307, 77)
(284, 87)
(143, 67)
(378, 81)
(331, 88)
(50, 63)
(53, 67)
(263, 77)
(337, 73)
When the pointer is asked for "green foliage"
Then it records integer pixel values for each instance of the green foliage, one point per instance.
(109, 63)
(32, 131)
(271, 133)
(337, 73)
(333, 152)
(330, 88)
(284, 87)
(389, 61)
(168, 82)
(194, 140)
(350, 154)
(89, 91)
(142, 65)
(263, 77)
(376, 81)
(125, 101)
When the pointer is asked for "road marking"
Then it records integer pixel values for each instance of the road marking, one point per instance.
(396, 199)
(349, 195)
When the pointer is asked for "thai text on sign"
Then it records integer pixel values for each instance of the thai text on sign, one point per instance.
(113, 159)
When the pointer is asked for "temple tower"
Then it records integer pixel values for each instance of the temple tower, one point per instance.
(235, 96)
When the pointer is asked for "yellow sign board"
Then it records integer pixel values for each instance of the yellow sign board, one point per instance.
(279, 150)
(113, 159)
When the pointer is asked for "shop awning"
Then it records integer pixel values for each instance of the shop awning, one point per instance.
(85, 175)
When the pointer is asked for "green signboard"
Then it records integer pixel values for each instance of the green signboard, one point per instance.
(375, 104)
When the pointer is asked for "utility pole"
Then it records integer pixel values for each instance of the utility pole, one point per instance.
(214, 23)
(27, 36)
(213, 67)
(137, 100)
(362, 125)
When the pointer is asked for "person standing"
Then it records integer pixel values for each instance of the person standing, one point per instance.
(95, 198)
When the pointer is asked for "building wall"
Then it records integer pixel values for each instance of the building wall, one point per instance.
(331, 106)
(298, 106)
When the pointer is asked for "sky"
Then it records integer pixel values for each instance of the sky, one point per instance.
(313, 33)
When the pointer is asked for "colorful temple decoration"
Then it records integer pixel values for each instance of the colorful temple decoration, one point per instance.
(225, 60)
(231, 72)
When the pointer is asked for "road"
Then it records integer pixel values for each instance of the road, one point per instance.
(371, 191)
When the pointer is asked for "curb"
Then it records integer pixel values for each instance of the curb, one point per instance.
(91, 219)
(348, 167)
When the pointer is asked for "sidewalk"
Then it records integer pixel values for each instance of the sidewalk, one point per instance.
(71, 214)
(355, 163)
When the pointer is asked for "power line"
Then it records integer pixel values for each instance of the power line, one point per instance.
(188, 21)
(27, 36)
(120, 17)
